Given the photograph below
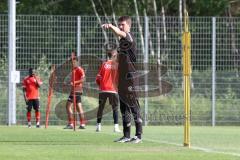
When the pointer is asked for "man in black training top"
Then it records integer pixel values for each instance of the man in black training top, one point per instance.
(127, 82)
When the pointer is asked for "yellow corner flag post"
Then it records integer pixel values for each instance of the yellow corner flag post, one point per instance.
(186, 39)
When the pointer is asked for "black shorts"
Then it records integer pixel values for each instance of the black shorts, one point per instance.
(78, 97)
(33, 103)
(112, 97)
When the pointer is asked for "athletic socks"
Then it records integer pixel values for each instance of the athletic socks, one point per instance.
(37, 115)
(116, 128)
(29, 116)
(70, 120)
(82, 122)
(98, 127)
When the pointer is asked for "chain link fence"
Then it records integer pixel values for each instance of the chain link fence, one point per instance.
(43, 41)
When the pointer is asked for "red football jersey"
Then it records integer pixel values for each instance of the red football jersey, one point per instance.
(107, 77)
(79, 74)
(31, 85)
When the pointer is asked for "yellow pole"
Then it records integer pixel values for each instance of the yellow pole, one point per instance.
(186, 39)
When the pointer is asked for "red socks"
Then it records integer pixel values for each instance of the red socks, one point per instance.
(82, 121)
(29, 116)
(70, 119)
(37, 115)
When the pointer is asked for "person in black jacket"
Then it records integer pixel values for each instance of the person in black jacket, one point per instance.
(127, 82)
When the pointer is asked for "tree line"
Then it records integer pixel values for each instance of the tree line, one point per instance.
(124, 7)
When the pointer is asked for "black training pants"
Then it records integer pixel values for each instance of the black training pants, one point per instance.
(129, 110)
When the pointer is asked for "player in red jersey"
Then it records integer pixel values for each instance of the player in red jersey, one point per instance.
(79, 76)
(31, 84)
(107, 80)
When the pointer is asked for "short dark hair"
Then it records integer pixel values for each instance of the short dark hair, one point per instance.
(30, 71)
(125, 18)
(110, 46)
(109, 52)
(74, 55)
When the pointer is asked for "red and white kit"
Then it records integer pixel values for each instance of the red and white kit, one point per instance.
(31, 87)
(107, 77)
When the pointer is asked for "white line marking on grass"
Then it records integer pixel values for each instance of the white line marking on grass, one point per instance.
(214, 151)
(209, 150)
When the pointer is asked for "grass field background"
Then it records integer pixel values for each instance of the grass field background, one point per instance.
(159, 143)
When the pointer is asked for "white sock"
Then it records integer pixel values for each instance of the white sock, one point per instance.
(116, 126)
(98, 128)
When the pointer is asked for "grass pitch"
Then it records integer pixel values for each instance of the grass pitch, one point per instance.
(159, 143)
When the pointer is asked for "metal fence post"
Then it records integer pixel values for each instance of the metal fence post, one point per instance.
(78, 36)
(213, 69)
(145, 61)
(11, 62)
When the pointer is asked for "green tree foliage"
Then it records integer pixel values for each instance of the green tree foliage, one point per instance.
(120, 7)
(208, 7)
(3, 6)
(55, 7)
